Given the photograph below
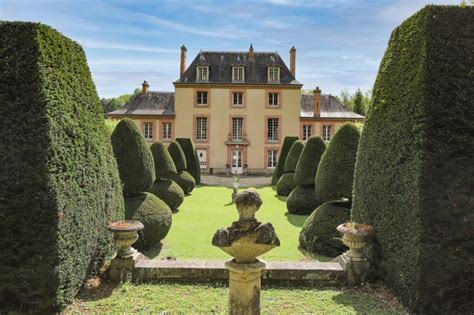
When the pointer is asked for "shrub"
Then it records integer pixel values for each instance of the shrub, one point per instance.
(335, 173)
(184, 180)
(302, 200)
(58, 177)
(293, 157)
(134, 159)
(168, 191)
(164, 164)
(285, 184)
(319, 234)
(178, 156)
(192, 160)
(285, 148)
(309, 160)
(414, 175)
(155, 215)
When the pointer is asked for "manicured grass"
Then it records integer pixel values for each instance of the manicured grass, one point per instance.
(209, 208)
(206, 299)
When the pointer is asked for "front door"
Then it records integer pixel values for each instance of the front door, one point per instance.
(237, 162)
(202, 156)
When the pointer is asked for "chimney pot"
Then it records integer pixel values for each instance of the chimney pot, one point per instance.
(293, 61)
(317, 102)
(145, 86)
(182, 66)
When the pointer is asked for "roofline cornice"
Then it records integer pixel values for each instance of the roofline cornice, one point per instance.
(330, 118)
(237, 85)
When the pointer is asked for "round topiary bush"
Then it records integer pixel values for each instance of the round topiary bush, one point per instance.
(285, 184)
(155, 215)
(293, 157)
(134, 159)
(319, 234)
(302, 200)
(164, 164)
(285, 149)
(310, 157)
(168, 191)
(335, 173)
(178, 156)
(184, 180)
(192, 160)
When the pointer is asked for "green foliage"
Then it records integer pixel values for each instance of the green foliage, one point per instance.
(134, 158)
(285, 184)
(164, 164)
(184, 180)
(192, 160)
(302, 200)
(58, 178)
(293, 157)
(110, 125)
(111, 104)
(168, 191)
(351, 100)
(414, 174)
(178, 156)
(155, 215)
(359, 107)
(335, 173)
(319, 234)
(309, 160)
(285, 149)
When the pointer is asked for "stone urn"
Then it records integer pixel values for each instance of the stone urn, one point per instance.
(355, 237)
(125, 234)
(247, 238)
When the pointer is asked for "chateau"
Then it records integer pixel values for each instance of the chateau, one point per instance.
(237, 107)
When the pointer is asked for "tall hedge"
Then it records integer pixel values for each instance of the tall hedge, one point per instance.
(308, 162)
(414, 173)
(134, 158)
(293, 157)
(178, 156)
(285, 149)
(58, 177)
(192, 160)
(335, 173)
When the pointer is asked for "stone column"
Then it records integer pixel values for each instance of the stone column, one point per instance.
(244, 287)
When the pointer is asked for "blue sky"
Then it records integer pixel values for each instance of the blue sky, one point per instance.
(339, 43)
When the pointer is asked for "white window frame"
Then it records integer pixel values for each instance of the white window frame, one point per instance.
(201, 128)
(237, 129)
(272, 158)
(148, 131)
(327, 132)
(239, 98)
(167, 130)
(202, 73)
(272, 129)
(307, 131)
(273, 74)
(200, 98)
(273, 99)
(238, 74)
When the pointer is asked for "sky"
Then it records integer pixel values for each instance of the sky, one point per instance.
(339, 43)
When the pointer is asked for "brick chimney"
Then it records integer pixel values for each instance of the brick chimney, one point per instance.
(317, 102)
(293, 60)
(251, 51)
(145, 86)
(182, 66)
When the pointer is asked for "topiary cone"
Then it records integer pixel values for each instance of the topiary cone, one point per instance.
(293, 157)
(192, 160)
(308, 163)
(178, 156)
(285, 149)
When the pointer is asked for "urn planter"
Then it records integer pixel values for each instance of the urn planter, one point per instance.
(125, 234)
(355, 237)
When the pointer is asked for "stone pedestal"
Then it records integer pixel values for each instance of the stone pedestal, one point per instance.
(122, 268)
(244, 287)
(356, 268)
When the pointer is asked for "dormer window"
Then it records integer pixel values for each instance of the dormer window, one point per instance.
(238, 74)
(202, 73)
(273, 74)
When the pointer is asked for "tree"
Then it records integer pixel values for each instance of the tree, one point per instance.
(359, 107)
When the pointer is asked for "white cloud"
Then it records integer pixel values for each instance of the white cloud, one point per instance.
(88, 43)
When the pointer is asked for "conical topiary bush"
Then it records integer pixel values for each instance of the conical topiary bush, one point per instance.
(286, 183)
(182, 177)
(285, 149)
(335, 173)
(170, 192)
(303, 199)
(192, 160)
(132, 154)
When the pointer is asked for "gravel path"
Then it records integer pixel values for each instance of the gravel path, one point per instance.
(245, 181)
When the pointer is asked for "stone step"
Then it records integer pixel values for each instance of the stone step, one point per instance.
(297, 273)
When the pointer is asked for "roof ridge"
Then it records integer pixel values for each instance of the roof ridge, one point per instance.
(238, 52)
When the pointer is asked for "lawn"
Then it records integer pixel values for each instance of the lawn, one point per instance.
(209, 208)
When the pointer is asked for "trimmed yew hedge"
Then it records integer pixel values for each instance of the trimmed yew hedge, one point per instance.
(308, 162)
(302, 200)
(184, 180)
(414, 172)
(192, 160)
(178, 156)
(163, 162)
(285, 149)
(58, 177)
(335, 173)
(293, 157)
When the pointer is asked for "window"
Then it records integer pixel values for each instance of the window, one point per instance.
(202, 73)
(201, 128)
(272, 157)
(148, 131)
(272, 129)
(306, 132)
(273, 99)
(201, 98)
(238, 74)
(167, 131)
(237, 129)
(237, 99)
(273, 74)
(327, 132)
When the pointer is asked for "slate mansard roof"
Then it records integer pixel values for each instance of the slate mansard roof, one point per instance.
(152, 103)
(221, 63)
(331, 108)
